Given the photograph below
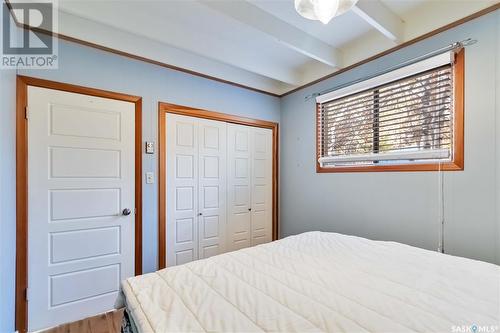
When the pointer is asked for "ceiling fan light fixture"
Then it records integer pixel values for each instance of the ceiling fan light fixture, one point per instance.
(323, 10)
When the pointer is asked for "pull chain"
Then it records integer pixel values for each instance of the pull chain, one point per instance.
(441, 209)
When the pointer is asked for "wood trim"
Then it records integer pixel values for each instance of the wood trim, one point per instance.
(22, 83)
(212, 115)
(161, 64)
(163, 109)
(42, 83)
(457, 164)
(393, 168)
(459, 109)
(187, 71)
(276, 168)
(21, 315)
(162, 188)
(400, 46)
(138, 186)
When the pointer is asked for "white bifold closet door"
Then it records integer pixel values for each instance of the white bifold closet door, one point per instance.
(219, 187)
(196, 188)
(249, 186)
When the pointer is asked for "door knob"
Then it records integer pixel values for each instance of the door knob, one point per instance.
(249, 209)
(126, 211)
(200, 214)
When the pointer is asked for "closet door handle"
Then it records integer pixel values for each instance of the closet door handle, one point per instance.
(249, 209)
(200, 214)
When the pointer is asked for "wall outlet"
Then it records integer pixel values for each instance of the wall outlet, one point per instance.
(150, 177)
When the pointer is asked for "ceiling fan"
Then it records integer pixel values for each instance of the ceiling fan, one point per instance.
(323, 10)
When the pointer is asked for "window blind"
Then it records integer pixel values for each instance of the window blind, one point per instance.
(405, 116)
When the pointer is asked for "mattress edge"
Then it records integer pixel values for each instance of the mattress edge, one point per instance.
(135, 309)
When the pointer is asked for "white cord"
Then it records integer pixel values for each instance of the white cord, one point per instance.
(441, 209)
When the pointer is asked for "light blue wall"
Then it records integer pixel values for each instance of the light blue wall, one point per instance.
(7, 199)
(404, 206)
(7, 194)
(93, 68)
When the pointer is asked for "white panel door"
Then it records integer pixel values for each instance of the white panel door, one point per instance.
(261, 182)
(239, 187)
(211, 187)
(182, 189)
(81, 178)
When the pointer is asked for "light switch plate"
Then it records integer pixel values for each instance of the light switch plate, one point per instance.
(150, 178)
(150, 147)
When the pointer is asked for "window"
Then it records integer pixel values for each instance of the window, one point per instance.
(410, 119)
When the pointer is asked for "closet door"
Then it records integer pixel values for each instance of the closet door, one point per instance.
(212, 187)
(239, 187)
(261, 185)
(182, 189)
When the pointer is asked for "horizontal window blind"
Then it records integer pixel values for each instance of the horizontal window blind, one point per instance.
(407, 120)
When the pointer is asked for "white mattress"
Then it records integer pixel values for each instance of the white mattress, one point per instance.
(319, 282)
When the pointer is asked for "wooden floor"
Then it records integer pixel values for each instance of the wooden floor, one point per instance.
(109, 322)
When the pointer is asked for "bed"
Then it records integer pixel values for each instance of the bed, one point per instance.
(318, 281)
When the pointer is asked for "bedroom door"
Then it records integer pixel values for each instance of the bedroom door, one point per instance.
(81, 204)
(196, 186)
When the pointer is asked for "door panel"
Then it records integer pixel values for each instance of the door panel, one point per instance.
(262, 166)
(106, 242)
(249, 186)
(81, 176)
(212, 187)
(76, 204)
(196, 188)
(182, 185)
(81, 285)
(239, 187)
(77, 121)
(84, 163)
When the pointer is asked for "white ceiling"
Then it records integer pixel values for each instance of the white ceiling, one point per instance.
(263, 44)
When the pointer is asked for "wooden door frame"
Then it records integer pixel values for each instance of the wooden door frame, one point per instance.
(22, 180)
(163, 109)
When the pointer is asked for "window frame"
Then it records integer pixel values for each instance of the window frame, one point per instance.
(456, 164)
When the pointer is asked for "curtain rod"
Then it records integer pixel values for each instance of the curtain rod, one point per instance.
(453, 46)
